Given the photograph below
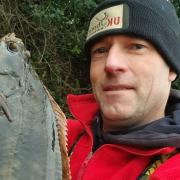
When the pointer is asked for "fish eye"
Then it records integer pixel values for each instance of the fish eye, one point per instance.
(12, 47)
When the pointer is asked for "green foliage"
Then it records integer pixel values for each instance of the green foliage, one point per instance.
(177, 5)
(54, 31)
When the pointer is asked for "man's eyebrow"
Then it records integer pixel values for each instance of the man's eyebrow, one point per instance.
(97, 43)
(133, 37)
(103, 40)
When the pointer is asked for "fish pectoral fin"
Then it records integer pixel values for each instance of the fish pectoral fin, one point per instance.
(5, 108)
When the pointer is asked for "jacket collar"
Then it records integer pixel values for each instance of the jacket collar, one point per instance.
(82, 107)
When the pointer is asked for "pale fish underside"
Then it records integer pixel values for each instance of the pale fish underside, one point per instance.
(32, 126)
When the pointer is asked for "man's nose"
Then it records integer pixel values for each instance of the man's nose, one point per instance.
(116, 60)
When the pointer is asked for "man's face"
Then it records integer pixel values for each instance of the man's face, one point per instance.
(130, 80)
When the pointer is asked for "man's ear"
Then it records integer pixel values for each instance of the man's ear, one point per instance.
(172, 75)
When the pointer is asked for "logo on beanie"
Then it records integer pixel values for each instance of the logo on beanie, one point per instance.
(107, 19)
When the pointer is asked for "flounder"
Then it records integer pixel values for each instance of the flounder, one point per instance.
(32, 126)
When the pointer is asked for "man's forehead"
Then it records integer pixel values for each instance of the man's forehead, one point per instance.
(123, 37)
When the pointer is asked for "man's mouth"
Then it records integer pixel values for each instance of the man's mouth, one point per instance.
(119, 87)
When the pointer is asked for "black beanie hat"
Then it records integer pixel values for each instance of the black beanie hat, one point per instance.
(153, 20)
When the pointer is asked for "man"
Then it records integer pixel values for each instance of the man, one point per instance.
(130, 127)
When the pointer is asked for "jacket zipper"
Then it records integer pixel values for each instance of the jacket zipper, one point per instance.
(84, 165)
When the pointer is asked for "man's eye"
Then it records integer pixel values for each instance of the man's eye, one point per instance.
(99, 52)
(136, 46)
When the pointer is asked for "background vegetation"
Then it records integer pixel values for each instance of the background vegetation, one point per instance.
(54, 31)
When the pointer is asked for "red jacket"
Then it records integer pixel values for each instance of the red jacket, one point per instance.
(110, 162)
